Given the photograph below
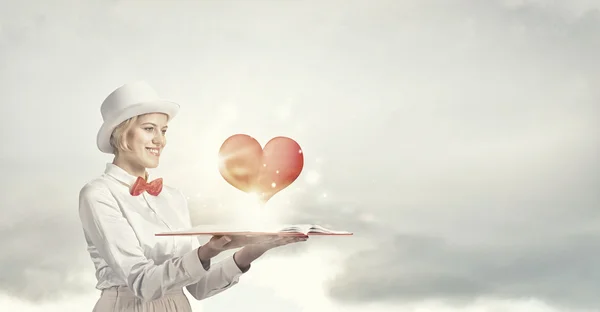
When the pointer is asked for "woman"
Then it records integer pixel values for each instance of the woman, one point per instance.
(122, 209)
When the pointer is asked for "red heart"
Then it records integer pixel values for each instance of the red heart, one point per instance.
(263, 171)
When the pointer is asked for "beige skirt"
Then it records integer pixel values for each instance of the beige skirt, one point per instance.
(121, 299)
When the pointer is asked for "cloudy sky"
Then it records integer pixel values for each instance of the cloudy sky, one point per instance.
(458, 139)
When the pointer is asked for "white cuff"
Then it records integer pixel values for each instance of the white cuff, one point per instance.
(230, 269)
(192, 265)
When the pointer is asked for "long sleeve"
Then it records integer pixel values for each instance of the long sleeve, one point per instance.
(221, 276)
(116, 242)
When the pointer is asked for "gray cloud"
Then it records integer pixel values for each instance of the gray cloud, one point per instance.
(44, 255)
(512, 213)
(561, 271)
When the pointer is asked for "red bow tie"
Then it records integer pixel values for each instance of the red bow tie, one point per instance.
(153, 188)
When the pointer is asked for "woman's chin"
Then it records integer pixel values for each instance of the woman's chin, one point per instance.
(151, 164)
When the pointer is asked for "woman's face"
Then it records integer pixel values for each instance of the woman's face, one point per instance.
(146, 139)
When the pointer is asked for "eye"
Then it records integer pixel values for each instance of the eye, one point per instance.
(164, 132)
(149, 128)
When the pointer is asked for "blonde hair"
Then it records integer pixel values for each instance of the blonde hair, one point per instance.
(118, 138)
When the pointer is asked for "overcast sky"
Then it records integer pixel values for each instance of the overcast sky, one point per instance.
(458, 139)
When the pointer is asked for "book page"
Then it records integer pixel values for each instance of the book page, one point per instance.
(296, 228)
(322, 230)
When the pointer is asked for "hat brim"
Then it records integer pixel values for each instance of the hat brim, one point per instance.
(160, 106)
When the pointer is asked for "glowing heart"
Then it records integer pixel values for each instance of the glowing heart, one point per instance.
(262, 171)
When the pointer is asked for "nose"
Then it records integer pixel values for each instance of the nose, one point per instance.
(159, 138)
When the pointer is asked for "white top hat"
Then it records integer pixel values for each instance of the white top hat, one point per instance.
(130, 100)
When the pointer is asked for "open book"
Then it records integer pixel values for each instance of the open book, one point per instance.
(297, 229)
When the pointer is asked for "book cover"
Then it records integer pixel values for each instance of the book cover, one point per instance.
(296, 229)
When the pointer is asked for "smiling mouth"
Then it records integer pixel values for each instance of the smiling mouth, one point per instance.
(153, 151)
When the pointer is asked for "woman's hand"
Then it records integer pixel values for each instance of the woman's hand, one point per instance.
(218, 244)
(249, 253)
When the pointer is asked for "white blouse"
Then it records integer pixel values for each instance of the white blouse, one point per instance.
(120, 232)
